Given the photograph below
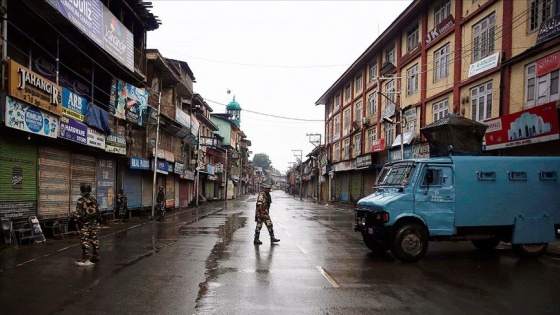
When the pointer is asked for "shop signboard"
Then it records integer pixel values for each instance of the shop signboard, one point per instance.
(25, 117)
(137, 163)
(95, 138)
(30, 87)
(115, 144)
(73, 105)
(533, 125)
(73, 130)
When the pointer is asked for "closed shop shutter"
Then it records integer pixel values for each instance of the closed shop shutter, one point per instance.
(132, 185)
(83, 171)
(170, 190)
(183, 193)
(369, 181)
(355, 186)
(54, 182)
(344, 185)
(147, 186)
(18, 179)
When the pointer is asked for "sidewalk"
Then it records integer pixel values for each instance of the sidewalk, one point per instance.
(11, 257)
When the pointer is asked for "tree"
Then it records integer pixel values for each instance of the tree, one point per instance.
(262, 160)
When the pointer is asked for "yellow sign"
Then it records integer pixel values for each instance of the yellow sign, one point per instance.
(32, 88)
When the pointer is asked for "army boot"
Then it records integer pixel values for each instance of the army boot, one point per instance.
(95, 257)
(273, 239)
(256, 241)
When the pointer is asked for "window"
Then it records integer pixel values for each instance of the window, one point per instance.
(389, 134)
(346, 117)
(346, 149)
(483, 37)
(330, 132)
(358, 85)
(441, 109)
(390, 56)
(336, 151)
(441, 63)
(347, 92)
(372, 102)
(390, 91)
(357, 145)
(371, 136)
(412, 39)
(543, 89)
(541, 10)
(373, 71)
(412, 80)
(336, 103)
(358, 112)
(481, 102)
(442, 10)
(336, 127)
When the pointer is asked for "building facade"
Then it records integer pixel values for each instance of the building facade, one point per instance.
(491, 61)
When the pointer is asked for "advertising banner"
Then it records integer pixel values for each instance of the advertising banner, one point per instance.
(24, 117)
(533, 125)
(45, 65)
(25, 85)
(101, 26)
(106, 170)
(73, 130)
(128, 102)
(378, 145)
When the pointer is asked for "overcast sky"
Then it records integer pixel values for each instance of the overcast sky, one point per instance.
(276, 57)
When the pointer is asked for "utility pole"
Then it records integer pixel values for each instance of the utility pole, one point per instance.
(315, 140)
(401, 122)
(155, 159)
(300, 171)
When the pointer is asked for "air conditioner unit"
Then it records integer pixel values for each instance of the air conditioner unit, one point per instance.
(365, 121)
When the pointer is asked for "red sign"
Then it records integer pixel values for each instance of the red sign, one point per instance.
(548, 64)
(441, 28)
(533, 125)
(378, 145)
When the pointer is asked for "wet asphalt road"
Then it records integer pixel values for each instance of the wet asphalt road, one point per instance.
(203, 261)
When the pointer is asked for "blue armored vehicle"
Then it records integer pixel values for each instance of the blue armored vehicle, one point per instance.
(462, 197)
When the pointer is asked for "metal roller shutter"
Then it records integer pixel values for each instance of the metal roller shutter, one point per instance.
(147, 184)
(83, 171)
(132, 185)
(170, 190)
(18, 179)
(54, 182)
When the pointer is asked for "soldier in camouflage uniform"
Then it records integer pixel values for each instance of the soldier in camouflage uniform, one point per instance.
(262, 216)
(122, 205)
(88, 217)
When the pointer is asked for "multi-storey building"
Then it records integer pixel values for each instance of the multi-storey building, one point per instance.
(492, 61)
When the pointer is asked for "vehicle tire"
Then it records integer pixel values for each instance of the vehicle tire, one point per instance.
(376, 246)
(529, 250)
(410, 243)
(486, 244)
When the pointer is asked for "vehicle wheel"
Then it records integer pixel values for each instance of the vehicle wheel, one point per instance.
(529, 250)
(486, 244)
(376, 246)
(411, 243)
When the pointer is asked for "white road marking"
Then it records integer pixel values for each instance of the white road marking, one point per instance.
(287, 233)
(302, 249)
(327, 276)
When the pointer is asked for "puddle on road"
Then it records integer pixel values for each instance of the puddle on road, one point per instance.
(225, 234)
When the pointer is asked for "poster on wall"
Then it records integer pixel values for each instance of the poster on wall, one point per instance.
(128, 102)
(533, 125)
(25, 117)
(106, 184)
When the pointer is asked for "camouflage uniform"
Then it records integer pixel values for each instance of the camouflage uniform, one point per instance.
(122, 205)
(88, 218)
(263, 201)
